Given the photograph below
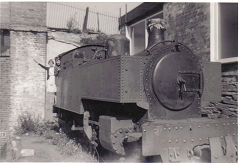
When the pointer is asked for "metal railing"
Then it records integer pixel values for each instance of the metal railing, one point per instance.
(63, 16)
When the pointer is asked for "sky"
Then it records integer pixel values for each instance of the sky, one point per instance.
(59, 14)
(111, 8)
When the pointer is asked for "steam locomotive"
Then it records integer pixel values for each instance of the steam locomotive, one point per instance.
(153, 97)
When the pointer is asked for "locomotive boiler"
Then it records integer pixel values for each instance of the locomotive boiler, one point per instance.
(153, 98)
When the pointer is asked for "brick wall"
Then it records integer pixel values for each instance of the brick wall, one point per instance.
(28, 13)
(22, 85)
(23, 15)
(5, 67)
(22, 81)
(27, 78)
(189, 23)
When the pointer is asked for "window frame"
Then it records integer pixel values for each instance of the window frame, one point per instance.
(215, 54)
(130, 31)
(2, 39)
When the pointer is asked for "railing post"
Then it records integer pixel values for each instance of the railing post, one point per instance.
(98, 22)
(85, 21)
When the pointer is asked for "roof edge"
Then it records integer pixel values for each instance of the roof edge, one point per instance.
(140, 12)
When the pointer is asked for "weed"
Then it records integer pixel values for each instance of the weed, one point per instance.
(67, 142)
(27, 123)
(101, 38)
(72, 24)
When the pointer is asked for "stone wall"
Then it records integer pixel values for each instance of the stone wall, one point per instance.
(189, 23)
(229, 104)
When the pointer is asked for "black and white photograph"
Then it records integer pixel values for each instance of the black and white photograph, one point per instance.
(118, 82)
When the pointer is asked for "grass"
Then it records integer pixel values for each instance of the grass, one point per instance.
(68, 143)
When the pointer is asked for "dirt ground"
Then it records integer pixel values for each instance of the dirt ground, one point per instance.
(45, 152)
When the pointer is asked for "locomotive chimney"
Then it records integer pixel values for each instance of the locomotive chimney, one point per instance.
(155, 28)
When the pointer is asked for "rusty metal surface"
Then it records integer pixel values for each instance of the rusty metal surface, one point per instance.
(66, 79)
(116, 79)
(90, 80)
(159, 137)
(99, 79)
(131, 79)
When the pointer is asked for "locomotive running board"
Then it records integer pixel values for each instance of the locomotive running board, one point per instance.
(177, 140)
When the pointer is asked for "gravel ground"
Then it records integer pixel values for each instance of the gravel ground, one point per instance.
(47, 152)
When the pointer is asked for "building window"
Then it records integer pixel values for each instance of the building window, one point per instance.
(224, 32)
(138, 37)
(4, 42)
(137, 34)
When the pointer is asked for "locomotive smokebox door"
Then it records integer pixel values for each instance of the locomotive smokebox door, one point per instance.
(172, 78)
(175, 81)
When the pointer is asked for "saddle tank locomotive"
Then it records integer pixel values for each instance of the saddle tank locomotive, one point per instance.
(153, 98)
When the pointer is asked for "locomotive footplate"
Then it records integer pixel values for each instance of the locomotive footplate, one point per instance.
(185, 140)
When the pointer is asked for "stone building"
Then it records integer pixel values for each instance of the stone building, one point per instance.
(22, 82)
(209, 29)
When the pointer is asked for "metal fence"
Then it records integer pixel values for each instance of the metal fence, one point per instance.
(59, 15)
